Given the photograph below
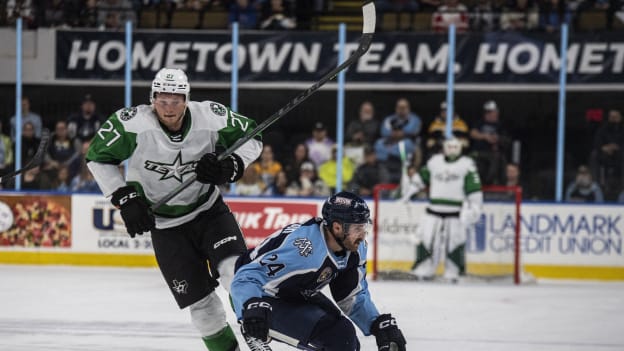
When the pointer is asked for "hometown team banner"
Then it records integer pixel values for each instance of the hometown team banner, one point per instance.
(405, 58)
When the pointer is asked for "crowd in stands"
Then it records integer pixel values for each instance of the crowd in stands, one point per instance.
(467, 15)
(376, 151)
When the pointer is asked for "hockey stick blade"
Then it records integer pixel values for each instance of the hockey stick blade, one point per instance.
(34, 162)
(368, 29)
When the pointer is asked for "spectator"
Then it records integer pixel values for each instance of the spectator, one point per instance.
(366, 123)
(35, 179)
(267, 167)
(520, 16)
(245, 12)
(84, 182)
(21, 8)
(607, 156)
(552, 14)
(62, 150)
(490, 144)
(484, 16)
(452, 12)
(411, 122)
(328, 171)
(308, 184)
(28, 117)
(88, 17)
(320, 145)
(6, 153)
(279, 186)
(250, 184)
(300, 155)
(84, 124)
(30, 142)
(277, 15)
(436, 133)
(583, 188)
(113, 14)
(62, 182)
(388, 150)
(512, 178)
(59, 13)
(397, 7)
(369, 174)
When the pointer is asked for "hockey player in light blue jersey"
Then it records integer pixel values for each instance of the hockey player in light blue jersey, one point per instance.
(165, 142)
(276, 291)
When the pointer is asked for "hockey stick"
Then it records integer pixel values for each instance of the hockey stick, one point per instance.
(368, 29)
(34, 162)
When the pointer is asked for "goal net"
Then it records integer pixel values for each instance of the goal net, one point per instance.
(492, 249)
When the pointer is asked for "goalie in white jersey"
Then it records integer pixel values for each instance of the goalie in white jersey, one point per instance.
(455, 202)
(164, 143)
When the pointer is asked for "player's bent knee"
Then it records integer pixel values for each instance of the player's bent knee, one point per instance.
(331, 334)
(208, 315)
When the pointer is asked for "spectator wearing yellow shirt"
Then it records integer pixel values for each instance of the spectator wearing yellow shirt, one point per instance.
(267, 167)
(329, 170)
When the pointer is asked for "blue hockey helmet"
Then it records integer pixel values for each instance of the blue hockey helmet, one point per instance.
(345, 207)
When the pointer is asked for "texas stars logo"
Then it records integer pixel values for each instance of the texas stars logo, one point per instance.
(175, 170)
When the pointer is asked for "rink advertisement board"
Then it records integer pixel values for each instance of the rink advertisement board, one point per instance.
(397, 58)
(557, 240)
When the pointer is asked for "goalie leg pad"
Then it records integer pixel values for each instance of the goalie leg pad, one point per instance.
(455, 262)
(208, 315)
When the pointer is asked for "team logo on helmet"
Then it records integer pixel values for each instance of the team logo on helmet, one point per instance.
(218, 109)
(127, 113)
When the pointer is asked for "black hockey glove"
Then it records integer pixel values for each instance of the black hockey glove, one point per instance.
(257, 318)
(388, 335)
(135, 212)
(212, 171)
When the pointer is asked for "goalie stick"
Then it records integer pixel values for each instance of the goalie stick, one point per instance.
(34, 162)
(368, 29)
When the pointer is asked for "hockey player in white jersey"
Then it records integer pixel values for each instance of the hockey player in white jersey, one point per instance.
(164, 143)
(276, 291)
(455, 202)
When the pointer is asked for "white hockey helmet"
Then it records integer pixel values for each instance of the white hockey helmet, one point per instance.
(452, 147)
(172, 81)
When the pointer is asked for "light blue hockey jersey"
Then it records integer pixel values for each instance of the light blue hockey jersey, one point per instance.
(295, 263)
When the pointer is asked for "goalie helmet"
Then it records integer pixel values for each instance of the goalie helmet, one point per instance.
(172, 81)
(452, 148)
(346, 208)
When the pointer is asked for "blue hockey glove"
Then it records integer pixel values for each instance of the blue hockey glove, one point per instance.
(212, 171)
(389, 336)
(135, 212)
(257, 318)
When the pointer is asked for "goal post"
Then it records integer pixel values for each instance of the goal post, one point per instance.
(493, 247)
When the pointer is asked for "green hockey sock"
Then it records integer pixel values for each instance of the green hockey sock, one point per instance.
(222, 341)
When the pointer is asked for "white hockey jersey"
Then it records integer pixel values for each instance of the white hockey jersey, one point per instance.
(158, 162)
(449, 181)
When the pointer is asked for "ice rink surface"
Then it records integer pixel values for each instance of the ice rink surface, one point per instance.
(97, 309)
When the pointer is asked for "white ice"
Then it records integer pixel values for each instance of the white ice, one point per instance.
(93, 309)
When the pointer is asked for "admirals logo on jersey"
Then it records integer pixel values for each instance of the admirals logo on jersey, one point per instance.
(127, 113)
(175, 170)
(218, 109)
(304, 245)
(180, 286)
